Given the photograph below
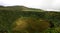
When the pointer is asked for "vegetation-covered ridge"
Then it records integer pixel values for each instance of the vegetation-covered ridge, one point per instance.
(22, 8)
(15, 20)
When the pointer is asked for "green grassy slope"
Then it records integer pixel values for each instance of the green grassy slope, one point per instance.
(21, 8)
(8, 16)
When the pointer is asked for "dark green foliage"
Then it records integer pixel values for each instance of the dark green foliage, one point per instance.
(8, 17)
(10, 14)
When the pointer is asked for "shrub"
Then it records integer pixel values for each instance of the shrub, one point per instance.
(30, 24)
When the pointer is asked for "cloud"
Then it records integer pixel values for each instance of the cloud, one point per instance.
(56, 4)
(1, 3)
(41, 4)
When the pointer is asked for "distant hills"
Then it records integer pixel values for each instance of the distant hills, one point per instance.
(21, 8)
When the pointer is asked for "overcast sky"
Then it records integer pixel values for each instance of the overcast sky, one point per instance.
(41, 4)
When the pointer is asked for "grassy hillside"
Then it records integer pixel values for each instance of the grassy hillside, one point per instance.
(21, 8)
(15, 20)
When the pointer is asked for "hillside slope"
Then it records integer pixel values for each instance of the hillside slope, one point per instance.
(39, 21)
(21, 8)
